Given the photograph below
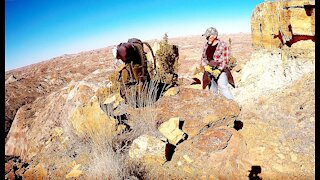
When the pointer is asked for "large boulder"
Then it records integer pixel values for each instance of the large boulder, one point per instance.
(34, 123)
(216, 153)
(274, 24)
(89, 121)
(148, 149)
(198, 109)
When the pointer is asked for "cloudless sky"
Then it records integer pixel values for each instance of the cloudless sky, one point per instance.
(37, 30)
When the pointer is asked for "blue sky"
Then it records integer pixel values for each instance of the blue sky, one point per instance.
(37, 30)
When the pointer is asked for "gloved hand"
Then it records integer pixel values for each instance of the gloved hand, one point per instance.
(216, 73)
(208, 69)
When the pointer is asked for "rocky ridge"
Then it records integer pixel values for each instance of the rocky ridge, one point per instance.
(274, 99)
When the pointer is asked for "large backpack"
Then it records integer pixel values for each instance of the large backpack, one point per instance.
(133, 55)
(138, 44)
(135, 72)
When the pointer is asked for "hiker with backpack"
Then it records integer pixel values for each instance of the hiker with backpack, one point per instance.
(214, 60)
(135, 70)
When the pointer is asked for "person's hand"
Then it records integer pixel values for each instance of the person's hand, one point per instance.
(216, 73)
(208, 69)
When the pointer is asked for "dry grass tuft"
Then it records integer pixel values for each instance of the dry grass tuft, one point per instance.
(108, 155)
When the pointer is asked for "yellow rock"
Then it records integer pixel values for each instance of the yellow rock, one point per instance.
(89, 120)
(172, 91)
(300, 22)
(269, 18)
(170, 129)
(148, 149)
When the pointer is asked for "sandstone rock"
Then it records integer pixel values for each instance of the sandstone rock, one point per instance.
(307, 44)
(90, 120)
(275, 23)
(224, 148)
(198, 109)
(171, 130)
(148, 149)
(172, 91)
(34, 123)
(267, 72)
(300, 22)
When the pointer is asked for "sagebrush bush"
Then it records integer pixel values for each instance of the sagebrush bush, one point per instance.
(167, 62)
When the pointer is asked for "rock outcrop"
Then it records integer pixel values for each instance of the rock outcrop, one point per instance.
(148, 149)
(217, 153)
(207, 109)
(279, 23)
(172, 131)
(34, 123)
(24, 85)
(90, 121)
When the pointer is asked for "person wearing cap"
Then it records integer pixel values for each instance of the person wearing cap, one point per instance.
(214, 60)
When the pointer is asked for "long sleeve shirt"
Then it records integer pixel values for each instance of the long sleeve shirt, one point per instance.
(220, 57)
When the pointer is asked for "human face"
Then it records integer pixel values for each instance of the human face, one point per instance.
(211, 38)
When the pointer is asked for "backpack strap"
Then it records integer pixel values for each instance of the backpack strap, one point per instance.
(153, 56)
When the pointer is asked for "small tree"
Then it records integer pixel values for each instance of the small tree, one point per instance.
(167, 61)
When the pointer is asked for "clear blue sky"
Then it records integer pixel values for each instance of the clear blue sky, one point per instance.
(37, 30)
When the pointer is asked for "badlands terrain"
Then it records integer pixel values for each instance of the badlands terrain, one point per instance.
(25, 84)
(64, 118)
(277, 113)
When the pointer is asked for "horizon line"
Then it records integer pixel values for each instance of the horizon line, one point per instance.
(107, 46)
